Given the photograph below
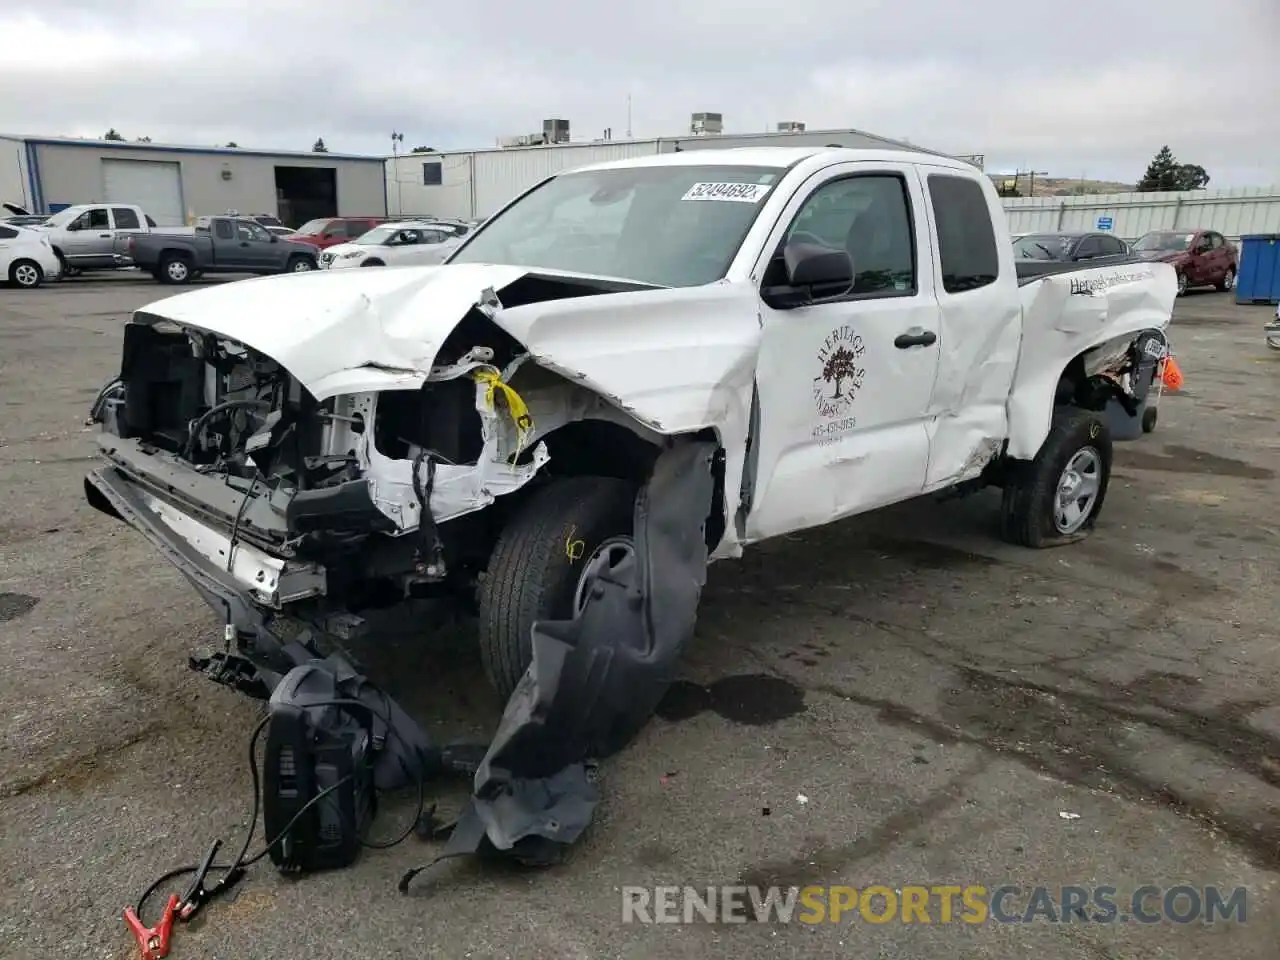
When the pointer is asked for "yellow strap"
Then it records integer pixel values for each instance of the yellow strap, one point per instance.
(515, 404)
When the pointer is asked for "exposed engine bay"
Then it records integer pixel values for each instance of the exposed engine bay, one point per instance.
(360, 500)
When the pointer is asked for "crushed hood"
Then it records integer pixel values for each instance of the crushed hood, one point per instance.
(341, 332)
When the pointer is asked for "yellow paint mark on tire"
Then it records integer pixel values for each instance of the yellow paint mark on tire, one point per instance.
(574, 549)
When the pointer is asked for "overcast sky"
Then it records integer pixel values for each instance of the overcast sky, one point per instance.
(1077, 88)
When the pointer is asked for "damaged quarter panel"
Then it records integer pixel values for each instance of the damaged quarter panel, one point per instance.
(1065, 316)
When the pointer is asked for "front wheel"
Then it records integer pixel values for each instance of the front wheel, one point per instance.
(1227, 283)
(542, 564)
(1057, 497)
(26, 274)
(1182, 284)
(301, 264)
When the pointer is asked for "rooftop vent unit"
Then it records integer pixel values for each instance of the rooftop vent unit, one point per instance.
(706, 124)
(791, 126)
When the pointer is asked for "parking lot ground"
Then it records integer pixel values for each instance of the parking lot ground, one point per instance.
(897, 700)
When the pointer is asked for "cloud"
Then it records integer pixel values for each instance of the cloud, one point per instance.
(1092, 88)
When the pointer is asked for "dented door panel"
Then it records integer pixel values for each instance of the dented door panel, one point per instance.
(842, 405)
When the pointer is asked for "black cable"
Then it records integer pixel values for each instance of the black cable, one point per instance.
(202, 421)
(240, 863)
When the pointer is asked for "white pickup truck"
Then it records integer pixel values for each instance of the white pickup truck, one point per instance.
(89, 236)
(848, 327)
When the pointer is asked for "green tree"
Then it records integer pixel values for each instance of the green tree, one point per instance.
(112, 135)
(1166, 173)
(143, 140)
(1193, 176)
(233, 144)
(318, 146)
(423, 150)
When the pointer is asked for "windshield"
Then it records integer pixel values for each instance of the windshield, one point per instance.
(1041, 247)
(676, 226)
(312, 227)
(377, 236)
(1165, 241)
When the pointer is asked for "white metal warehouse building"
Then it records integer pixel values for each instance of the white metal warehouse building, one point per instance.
(476, 183)
(175, 184)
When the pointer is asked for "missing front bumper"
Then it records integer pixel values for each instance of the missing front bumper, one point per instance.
(257, 584)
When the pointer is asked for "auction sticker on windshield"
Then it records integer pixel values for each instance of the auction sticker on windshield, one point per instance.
(732, 192)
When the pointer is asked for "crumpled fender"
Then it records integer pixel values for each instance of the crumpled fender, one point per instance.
(1065, 315)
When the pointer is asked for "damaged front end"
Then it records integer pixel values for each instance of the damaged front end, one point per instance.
(277, 506)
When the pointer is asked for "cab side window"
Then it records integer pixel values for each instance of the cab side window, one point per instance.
(966, 240)
(869, 216)
(222, 230)
(126, 219)
(1112, 246)
(1089, 248)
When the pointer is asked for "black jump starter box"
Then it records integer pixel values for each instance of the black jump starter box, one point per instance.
(311, 746)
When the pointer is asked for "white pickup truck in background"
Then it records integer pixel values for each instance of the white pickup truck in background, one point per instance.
(89, 236)
(848, 327)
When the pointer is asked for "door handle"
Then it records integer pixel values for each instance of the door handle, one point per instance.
(244, 243)
(105, 236)
(915, 337)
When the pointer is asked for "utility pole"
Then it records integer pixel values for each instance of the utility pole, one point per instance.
(628, 116)
(1031, 180)
(396, 140)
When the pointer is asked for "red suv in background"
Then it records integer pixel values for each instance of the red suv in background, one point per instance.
(327, 231)
(1203, 258)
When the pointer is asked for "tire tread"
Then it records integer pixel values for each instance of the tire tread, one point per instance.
(521, 569)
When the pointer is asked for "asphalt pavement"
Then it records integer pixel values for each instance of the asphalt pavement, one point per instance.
(897, 700)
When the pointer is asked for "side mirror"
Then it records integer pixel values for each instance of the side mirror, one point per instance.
(813, 273)
(73, 226)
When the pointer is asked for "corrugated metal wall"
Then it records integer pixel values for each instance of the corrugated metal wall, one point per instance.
(501, 174)
(1231, 212)
(13, 175)
(477, 183)
(407, 195)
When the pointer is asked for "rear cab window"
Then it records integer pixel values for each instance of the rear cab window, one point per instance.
(125, 218)
(967, 252)
(222, 230)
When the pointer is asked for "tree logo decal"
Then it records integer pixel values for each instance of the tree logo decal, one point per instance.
(841, 372)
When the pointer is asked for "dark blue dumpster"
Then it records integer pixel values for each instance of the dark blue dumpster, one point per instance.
(1259, 279)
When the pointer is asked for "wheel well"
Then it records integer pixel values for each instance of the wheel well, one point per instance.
(600, 448)
(373, 262)
(603, 448)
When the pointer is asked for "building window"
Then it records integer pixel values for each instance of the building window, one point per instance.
(432, 174)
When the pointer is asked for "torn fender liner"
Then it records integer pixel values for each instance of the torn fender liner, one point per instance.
(594, 680)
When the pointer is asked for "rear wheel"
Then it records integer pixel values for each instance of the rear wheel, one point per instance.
(300, 264)
(174, 268)
(1228, 282)
(373, 263)
(1058, 497)
(542, 564)
(26, 274)
(1182, 284)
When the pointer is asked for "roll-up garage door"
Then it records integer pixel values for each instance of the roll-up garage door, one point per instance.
(154, 185)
